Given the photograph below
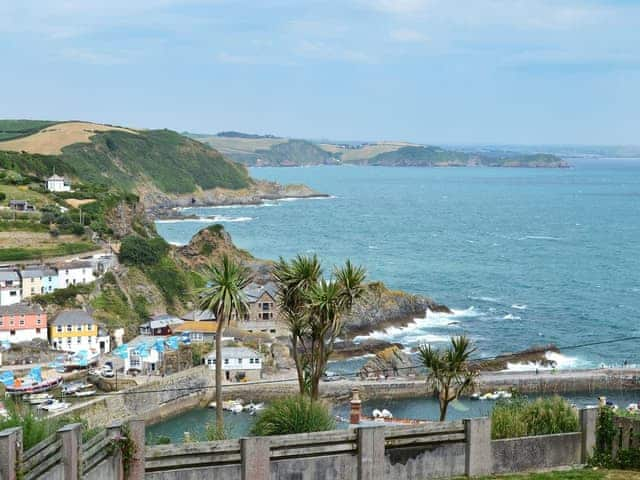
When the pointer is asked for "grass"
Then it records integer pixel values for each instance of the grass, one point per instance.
(21, 128)
(586, 474)
(22, 192)
(17, 254)
(23, 226)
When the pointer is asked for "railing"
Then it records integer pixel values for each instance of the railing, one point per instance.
(95, 450)
(42, 457)
(627, 435)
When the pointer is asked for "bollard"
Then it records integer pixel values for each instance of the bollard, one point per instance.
(10, 453)
(137, 435)
(588, 426)
(370, 453)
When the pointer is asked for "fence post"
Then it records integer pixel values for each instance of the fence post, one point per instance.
(10, 453)
(588, 426)
(478, 458)
(113, 432)
(71, 436)
(255, 457)
(137, 435)
(371, 453)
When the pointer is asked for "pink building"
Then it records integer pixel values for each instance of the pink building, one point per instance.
(22, 322)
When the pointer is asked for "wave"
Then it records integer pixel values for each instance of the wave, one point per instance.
(417, 331)
(518, 306)
(485, 299)
(211, 219)
(562, 362)
(540, 237)
(509, 316)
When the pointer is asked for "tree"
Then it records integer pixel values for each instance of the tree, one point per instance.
(224, 296)
(314, 308)
(294, 279)
(448, 370)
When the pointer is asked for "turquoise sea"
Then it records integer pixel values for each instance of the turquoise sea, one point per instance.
(523, 256)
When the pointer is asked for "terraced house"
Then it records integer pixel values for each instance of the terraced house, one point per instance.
(22, 322)
(75, 273)
(10, 291)
(263, 315)
(38, 280)
(76, 330)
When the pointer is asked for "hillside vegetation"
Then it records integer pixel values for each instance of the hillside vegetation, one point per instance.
(160, 160)
(20, 128)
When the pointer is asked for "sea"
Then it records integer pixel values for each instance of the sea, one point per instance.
(523, 257)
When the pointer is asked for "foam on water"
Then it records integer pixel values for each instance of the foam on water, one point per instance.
(518, 306)
(509, 316)
(561, 362)
(211, 219)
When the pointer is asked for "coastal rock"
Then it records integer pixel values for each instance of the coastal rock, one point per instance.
(380, 308)
(350, 349)
(390, 362)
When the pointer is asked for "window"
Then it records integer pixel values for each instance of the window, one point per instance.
(38, 331)
(79, 328)
(89, 340)
(11, 322)
(251, 360)
(212, 361)
(256, 361)
(38, 321)
(59, 328)
(69, 328)
(13, 293)
(33, 290)
(78, 339)
(1, 322)
(69, 341)
(226, 361)
(12, 333)
(89, 327)
(21, 322)
(273, 330)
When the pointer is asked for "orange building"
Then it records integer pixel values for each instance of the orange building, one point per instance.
(22, 322)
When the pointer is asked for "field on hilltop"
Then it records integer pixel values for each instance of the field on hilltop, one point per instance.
(117, 157)
(20, 128)
(51, 139)
(362, 152)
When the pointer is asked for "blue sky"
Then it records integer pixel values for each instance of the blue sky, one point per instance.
(432, 71)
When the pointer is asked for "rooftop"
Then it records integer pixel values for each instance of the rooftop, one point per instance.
(73, 317)
(196, 326)
(55, 177)
(161, 321)
(74, 264)
(254, 291)
(20, 309)
(236, 352)
(8, 275)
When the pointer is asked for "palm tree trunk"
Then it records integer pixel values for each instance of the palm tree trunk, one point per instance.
(219, 360)
(296, 359)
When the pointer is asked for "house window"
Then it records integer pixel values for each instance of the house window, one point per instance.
(89, 339)
(38, 331)
(212, 361)
(11, 323)
(79, 328)
(33, 290)
(69, 328)
(12, 333)
(1, 322)
(273, 330)
(69, 341)
(226, 361)
(78, 339)
(251, 360)
(21, 322)
(13, 293)
(266, 306)
(89, 327)
(59, 328)
(38, 321)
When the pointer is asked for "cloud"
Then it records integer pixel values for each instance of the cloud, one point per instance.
(407, 35)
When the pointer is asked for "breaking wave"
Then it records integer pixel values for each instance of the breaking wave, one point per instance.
(211, 219)
(561, 362)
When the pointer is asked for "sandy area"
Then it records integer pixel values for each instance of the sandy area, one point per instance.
(78, 202)
(51, 140)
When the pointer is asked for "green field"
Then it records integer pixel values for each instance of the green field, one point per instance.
(15, 254)
(22, 192)
(586, 474)
(21, 128)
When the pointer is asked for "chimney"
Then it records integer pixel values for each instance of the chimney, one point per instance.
(356, 407)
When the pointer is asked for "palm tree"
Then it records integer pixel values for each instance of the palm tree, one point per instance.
(294, 280)
(448, 370)
(328, 302)
(224, 296)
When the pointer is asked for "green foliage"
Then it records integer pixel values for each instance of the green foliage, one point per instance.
(290, 415)
(3, 196)
(69, 248)
(625, 459)
(23, 226)
(142, 251)
(213, 434)
(21, 128)
(543, 416)
(112, 308)
(172, 281)
(158, 440)
(141, 306)
(64, 297)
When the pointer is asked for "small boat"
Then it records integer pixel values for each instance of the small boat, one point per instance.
(475, 396)
(386, 413)
(376, 413)
(87, 392)
(503, 394)
(53, 405)
(27, 385)
(37, 398)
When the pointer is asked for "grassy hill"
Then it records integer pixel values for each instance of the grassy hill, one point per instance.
(10, 129)
(116, 157)
(268, 150)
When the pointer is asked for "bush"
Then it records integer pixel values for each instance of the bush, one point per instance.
(293, 415)
(3, 196)
(141, 251)
(172, 282)
(522, 418)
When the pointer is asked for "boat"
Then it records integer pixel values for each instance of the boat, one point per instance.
(489, 396)
(53, 405)
(87, 392)
(28, 385)
(503, 394)
(37, 398)
(475, 396)
(234, 406)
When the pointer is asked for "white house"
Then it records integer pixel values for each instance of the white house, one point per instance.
(9, 287)
(239, 363)
(75, 273)
(56, 183)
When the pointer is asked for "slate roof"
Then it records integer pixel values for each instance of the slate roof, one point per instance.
(20, 309)
(199, 315)
(73, 317)
(161, 321)
(236, 352)
(254, 291)
(8, 275)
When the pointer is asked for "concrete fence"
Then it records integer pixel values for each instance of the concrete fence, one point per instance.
(371, 452)
(627, 435)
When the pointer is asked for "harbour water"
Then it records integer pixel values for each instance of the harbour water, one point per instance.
(522, 256)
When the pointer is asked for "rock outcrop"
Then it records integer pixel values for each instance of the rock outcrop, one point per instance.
(390, 362)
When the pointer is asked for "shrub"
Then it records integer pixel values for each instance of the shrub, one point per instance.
(172, 282)
(293, 415)
(141, 251)
(543, 416)
(3, 196)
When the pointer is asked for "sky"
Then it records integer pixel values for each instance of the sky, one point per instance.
(428, 71)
